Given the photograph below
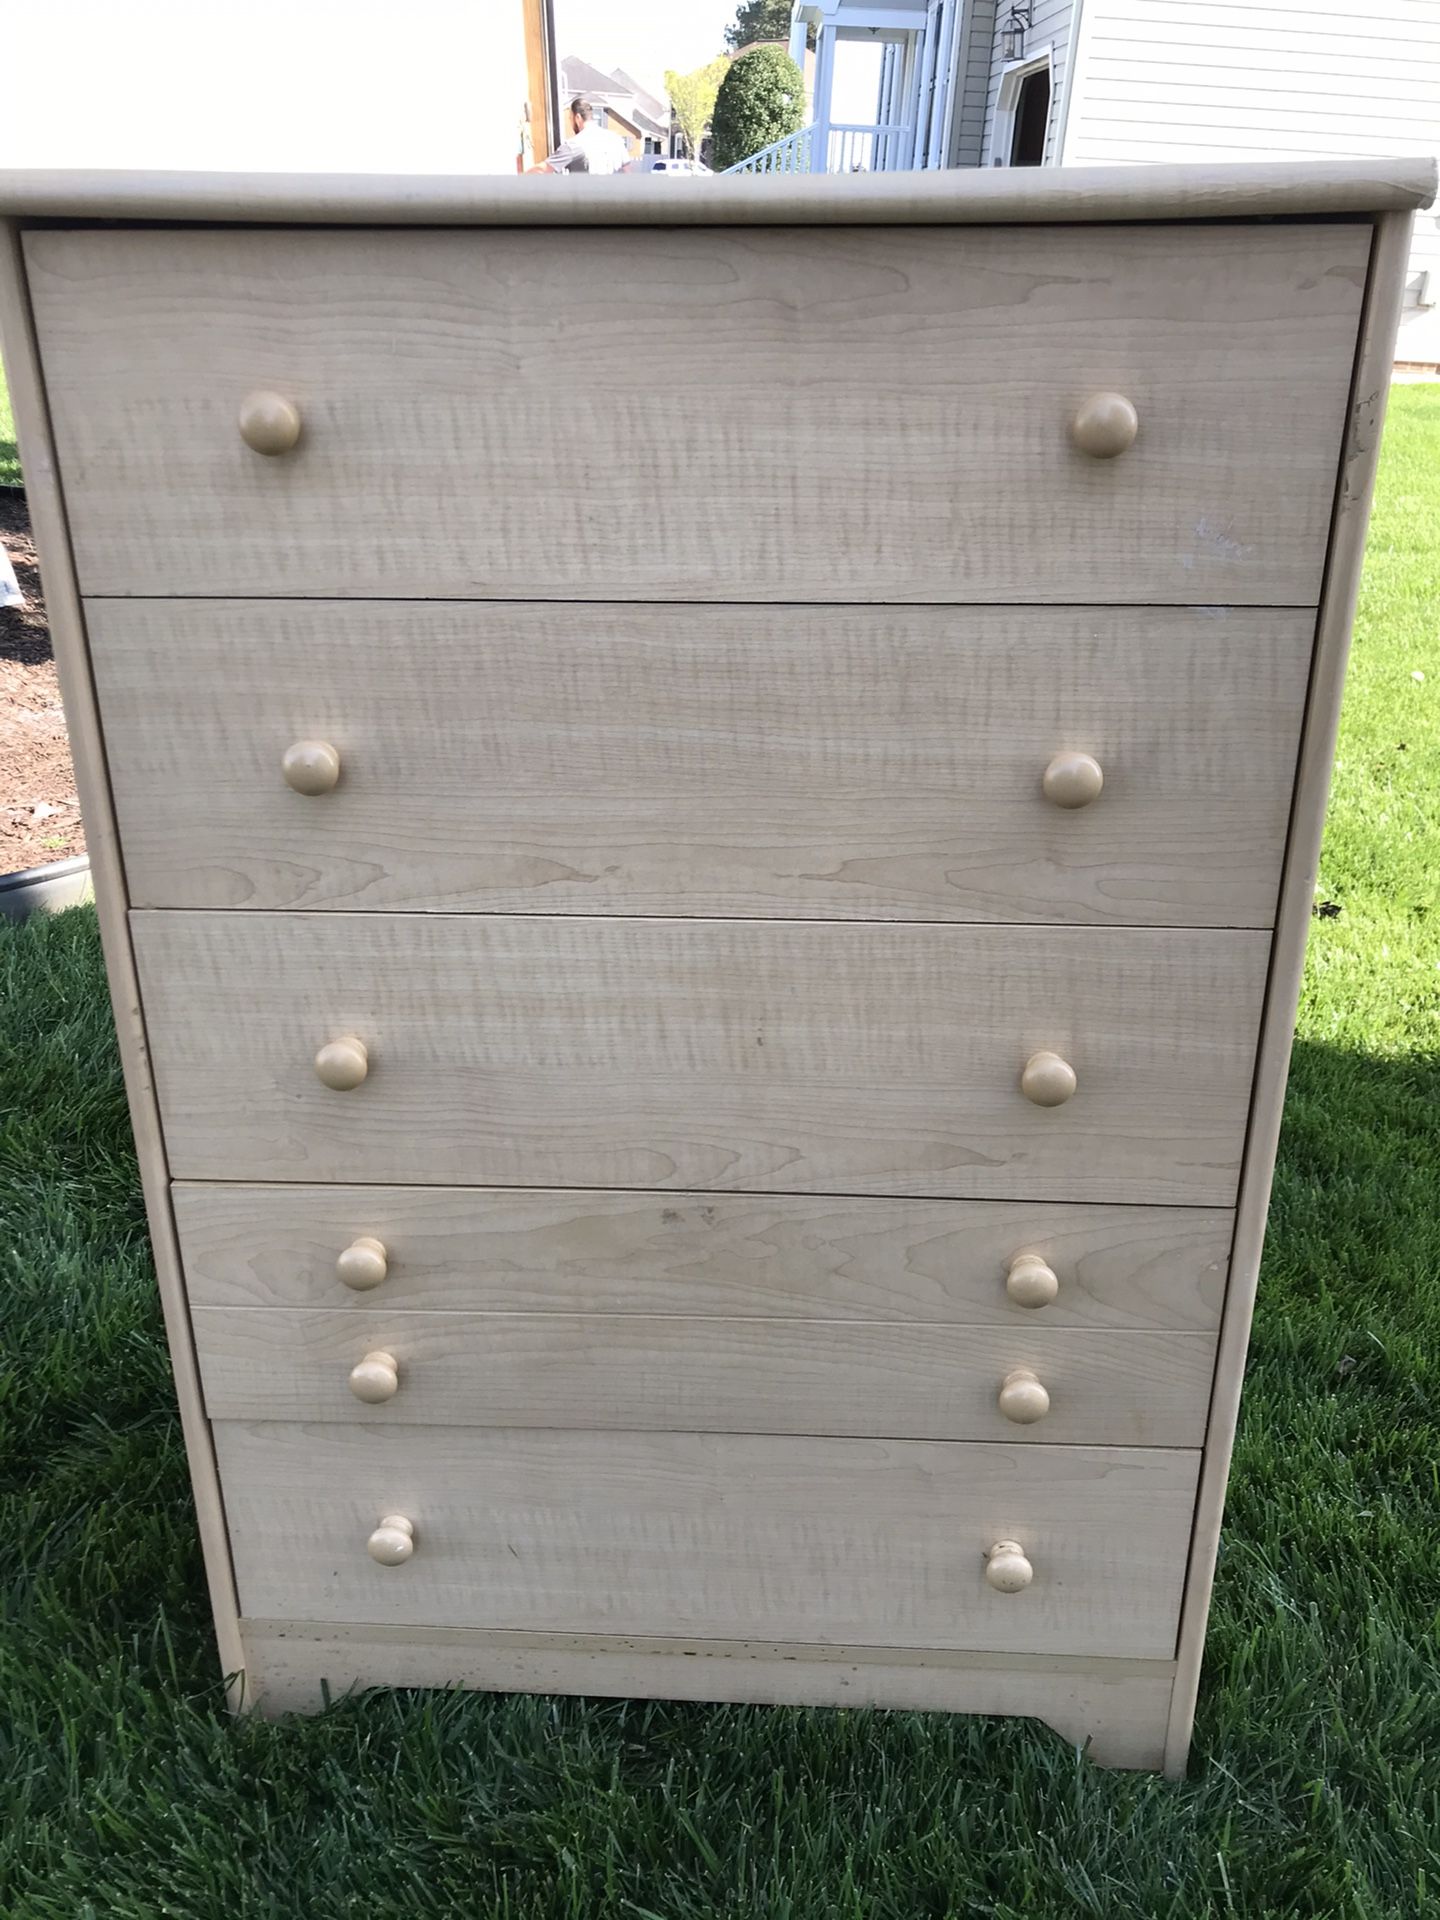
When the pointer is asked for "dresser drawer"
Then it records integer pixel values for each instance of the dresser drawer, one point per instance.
(832, 762)
(761, 1055)
(872, 1543)
(812, 414)
(1056, 1386)
(819, 1258)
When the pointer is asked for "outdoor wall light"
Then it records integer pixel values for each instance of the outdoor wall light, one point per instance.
(1012, 39)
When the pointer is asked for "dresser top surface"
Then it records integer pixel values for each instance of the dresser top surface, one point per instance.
(962, 197)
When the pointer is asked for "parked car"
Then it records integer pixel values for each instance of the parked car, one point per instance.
(662, 163)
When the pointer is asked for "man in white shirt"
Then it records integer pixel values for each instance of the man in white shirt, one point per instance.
(590, 149)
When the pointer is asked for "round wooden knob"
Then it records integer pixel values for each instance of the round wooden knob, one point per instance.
(1070, 780)
(313, 766)
(1006, 1567)
(1030, 1282)
(393, 1541)
(1023, 1398)
(1047, 1080)
(269, 423)
(343, 1064)
(363, 1264)
(1106, 424)
(377, 1378)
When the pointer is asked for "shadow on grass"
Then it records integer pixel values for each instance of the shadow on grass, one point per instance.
(1313, 1790)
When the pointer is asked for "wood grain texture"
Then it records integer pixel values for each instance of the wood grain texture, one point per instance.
(1116, 1706)
(458, 401)
(897, 441)
(840, 762)
(1358, 459)
(1251, 189)
(675, 1373)
(539, 76)
(942, 1262)
(67, 629)
(869, 1542)
(749, 1055)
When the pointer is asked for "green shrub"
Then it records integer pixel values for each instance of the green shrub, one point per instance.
(761, 98)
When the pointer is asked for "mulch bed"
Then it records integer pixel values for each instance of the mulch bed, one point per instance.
(39, 813)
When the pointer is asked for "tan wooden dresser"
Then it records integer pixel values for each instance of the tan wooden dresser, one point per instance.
(704, 798)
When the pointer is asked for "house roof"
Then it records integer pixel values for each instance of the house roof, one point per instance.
(647, 122)
(578, 76)
(616, 91)
(657, 108)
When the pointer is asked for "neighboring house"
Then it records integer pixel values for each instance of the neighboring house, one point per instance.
(654, 111)
(617, 122)
(991, 83)
(621, 104)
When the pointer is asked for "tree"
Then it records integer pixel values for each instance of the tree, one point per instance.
(761, 98)
(692, 95)
(762, 20)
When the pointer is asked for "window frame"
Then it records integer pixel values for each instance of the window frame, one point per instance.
(1007, 101)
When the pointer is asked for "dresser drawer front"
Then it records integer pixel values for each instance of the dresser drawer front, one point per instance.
(472, 428)
(674, 1372)
(705, 1053)
(744, 760)
(753, 1256)
(870, 1543)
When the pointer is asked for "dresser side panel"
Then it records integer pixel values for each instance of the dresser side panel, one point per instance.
(45, 497)
(1355, 486)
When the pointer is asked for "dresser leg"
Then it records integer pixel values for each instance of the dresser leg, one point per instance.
(1125, 1729)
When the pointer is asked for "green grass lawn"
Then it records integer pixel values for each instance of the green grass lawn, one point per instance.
(9, 452)
(1315, 1785)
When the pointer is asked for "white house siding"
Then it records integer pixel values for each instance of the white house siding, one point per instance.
(1166, 80)
(1051, 25)
(972, 77)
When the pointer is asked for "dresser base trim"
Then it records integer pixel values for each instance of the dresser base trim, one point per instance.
(1120, 1707)
(1360, 456)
